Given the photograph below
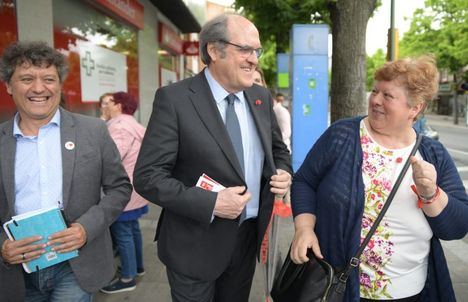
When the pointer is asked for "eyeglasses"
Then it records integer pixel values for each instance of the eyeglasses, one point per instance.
(106, 102)
(246, 51)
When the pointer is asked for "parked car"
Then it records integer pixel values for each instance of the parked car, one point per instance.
(423, 127)
(430, 132)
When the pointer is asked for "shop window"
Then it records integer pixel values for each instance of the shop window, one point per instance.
(8, 35)
(168, 67)
(83, 31)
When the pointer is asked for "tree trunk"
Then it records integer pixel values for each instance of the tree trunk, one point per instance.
(348, 84)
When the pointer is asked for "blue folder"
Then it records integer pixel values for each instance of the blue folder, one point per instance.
(43, 222)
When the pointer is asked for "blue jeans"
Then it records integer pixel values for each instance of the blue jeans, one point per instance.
(127, 236)
(56, 283)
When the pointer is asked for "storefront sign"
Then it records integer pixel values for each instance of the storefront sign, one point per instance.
(191, 48)
(130, 10)
(170, 40)
(101, 70)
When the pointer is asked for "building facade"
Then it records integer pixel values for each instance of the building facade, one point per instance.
(111, 45)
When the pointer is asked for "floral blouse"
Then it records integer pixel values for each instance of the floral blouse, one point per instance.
(380, 169)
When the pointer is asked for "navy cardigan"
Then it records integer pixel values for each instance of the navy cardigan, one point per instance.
(329, 185)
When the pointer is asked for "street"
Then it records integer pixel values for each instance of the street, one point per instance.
(454, 138)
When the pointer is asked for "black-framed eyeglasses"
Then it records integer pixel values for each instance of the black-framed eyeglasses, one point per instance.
(246, 51)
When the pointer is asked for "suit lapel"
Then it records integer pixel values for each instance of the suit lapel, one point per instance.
(258, 108)
(205, 105)
(67, 136)
(7, 156)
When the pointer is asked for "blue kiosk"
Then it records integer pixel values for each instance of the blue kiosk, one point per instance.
(309, 87)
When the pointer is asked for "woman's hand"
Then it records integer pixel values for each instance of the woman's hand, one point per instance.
(304, 238)
(425, 180)
(424, 177)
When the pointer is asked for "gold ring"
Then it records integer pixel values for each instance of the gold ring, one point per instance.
(24, 256)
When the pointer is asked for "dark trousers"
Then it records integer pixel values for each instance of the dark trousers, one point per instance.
(234, 283)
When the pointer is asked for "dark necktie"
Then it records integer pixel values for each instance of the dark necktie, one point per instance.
(234, 131)
(233, 128)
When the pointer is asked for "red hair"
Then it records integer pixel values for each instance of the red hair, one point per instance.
(128, 102)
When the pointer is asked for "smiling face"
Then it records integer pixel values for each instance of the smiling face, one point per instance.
(105, 115)
(36, 93)
(389, 109)
(231, 68)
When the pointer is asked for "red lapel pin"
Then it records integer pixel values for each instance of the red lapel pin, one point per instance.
(258, 102)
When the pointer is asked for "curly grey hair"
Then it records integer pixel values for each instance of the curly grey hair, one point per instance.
(37, 53)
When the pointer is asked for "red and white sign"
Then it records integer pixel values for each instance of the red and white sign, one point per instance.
(170, 40)
(130, 10)
(101, 70)
(191, 48)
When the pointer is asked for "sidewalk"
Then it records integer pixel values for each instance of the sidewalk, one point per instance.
(153, 286)
(445, 120)
(455, 251)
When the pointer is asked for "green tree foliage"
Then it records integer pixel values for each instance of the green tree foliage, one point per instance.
(440, 29)
(347, 20)
(274, 20)
(373, 63)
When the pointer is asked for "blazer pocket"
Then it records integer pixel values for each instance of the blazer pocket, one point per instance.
(86, 156)
(88, 165)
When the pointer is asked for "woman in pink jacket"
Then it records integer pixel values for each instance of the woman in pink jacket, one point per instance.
(127, 134)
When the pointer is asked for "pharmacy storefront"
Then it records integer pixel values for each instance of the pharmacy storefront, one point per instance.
(111, 45)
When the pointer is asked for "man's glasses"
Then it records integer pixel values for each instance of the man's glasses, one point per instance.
(105, 103)
(245, 51)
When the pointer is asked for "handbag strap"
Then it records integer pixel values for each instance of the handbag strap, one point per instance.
(354, 261)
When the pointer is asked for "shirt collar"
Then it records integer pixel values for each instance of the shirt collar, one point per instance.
(17, 131)
(219, 93)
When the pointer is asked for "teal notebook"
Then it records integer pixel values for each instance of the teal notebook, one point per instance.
(43, 222)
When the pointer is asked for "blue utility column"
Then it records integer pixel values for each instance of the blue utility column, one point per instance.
(282, 66)
(309, 87)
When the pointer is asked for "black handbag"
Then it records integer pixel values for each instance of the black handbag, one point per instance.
(317, 280)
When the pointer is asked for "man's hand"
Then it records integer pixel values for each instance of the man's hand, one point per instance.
(230, 202)
(280, 182)
(69, 239)
(24, 250)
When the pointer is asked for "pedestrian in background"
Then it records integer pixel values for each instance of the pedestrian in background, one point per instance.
(345, 179)
(103, 103)
(128, 135)
(282, 114)
(258, 77)
(284, 119)
(270, 253)
(50, 157)
(219, 124)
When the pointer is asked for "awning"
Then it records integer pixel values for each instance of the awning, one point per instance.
(179, 14)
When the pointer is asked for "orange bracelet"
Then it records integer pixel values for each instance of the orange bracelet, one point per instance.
(421, 200)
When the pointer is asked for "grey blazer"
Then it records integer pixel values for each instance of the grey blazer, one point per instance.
(186, 137)
(93, 164)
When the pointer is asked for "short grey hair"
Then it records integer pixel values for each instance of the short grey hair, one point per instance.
(214, 31)
(37, 53)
